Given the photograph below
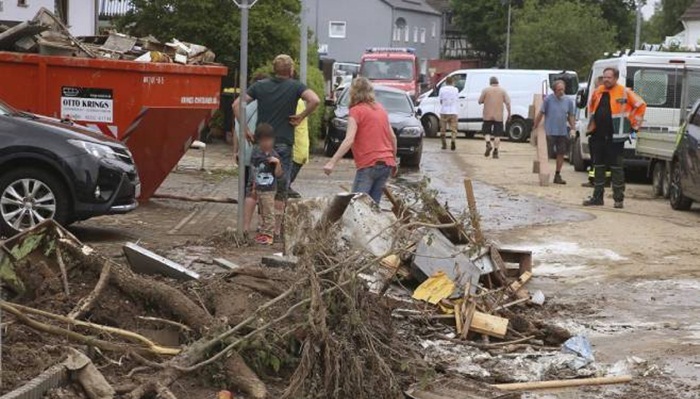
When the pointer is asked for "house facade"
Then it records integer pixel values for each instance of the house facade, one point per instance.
(344, 29)
(454, 44)
(689, 39)
(79, 15)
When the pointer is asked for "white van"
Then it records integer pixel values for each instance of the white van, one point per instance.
(521, 85)
(659, 78)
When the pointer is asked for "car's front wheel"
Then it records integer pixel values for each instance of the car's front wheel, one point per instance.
(28, 196)
(678, 200)
(431, 124)
(328, 148)
(413, 160)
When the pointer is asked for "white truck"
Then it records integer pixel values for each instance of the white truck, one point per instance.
(669, 83)
(521, 85)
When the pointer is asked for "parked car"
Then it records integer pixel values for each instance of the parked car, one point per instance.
(402, 116)
(51, 169)
(685, 166)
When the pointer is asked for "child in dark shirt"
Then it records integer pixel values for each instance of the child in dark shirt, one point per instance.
(266, 169)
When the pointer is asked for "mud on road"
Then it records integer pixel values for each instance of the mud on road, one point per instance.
(628, 279)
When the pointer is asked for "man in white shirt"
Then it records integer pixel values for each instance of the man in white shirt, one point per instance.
(449, 98)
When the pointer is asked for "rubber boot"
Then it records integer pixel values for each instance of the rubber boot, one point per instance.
(598, 187)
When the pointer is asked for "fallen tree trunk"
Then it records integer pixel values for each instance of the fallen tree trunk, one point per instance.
(181, 307)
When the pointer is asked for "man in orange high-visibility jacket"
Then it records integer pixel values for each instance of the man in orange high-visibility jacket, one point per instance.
(616, 114)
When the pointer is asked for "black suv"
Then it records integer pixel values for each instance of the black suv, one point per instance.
(54, 169)
(685, 169)
(402, 116)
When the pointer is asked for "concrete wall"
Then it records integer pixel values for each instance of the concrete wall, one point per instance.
(81, 13)
(427, 45)
(10, 11)
(368, 24)
(81, 17)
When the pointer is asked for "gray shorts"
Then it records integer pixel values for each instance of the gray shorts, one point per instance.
(558, 145)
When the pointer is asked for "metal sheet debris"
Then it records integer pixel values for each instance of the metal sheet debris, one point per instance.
(146, 262)
(436, 253)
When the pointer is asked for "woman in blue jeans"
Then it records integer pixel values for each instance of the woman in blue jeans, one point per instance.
(371, 139)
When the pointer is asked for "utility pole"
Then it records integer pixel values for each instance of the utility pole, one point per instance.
(638, 31)
(245, 7)
(510, 8)
(304, 56)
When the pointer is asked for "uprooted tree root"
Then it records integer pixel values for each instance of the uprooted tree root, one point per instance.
(348, 346)
(350, 349)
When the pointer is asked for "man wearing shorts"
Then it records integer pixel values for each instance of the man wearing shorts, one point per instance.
(558, 112)
(493, 99)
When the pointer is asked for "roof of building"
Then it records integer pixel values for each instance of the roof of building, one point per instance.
(412, 5)
(115, 8)
(440, 5)
(693, 12)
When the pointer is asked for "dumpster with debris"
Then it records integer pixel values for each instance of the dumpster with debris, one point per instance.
(156, 108)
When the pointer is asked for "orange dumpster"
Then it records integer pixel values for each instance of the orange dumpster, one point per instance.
(157, 109)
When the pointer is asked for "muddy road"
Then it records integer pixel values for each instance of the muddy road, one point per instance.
(628, 279)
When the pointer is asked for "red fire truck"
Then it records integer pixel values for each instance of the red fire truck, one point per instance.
(393, 67)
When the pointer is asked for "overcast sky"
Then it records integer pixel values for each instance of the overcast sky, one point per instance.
(648, 9)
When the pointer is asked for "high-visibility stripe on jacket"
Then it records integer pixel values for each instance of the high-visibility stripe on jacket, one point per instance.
(301, 138)
(626, 106)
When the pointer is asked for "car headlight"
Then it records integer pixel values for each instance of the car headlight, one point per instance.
(412, 132)
(340, 123)
(99, 151)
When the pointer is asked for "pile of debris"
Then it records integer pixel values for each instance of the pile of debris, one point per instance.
(369, 303)
(46, 34)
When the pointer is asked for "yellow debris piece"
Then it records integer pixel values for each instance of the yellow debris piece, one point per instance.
(435, 289)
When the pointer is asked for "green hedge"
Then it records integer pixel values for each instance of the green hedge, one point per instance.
(316, 83)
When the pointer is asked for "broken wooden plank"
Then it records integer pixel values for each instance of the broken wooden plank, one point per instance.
(541, 163)
(488, 324)
(473, 214)
(458, 318)
(534, 385)
(226, 264)
(521, 281)
(218, 200)
(468, 319)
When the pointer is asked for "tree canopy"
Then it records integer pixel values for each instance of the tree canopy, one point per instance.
(484, 22)
(565, 35)
(273, 26)
(666, 20)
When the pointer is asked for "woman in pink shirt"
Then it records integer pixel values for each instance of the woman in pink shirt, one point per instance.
(371, 139)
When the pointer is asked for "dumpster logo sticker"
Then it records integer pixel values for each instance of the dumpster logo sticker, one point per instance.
(87, 104)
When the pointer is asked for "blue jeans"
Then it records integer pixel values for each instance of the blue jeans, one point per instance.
(285, 153)
(372, 180)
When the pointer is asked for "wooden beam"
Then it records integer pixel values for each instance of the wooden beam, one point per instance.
(473, 214)
(528, 386)
(488, 324)
(541, 164)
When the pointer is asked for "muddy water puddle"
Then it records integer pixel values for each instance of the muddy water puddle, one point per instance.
(499, 210)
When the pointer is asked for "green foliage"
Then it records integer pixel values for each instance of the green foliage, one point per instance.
(484, 22)
(671, 13)
(566, 35)
(316, 83)
(273, 26)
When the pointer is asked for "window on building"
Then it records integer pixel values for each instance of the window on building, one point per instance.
(434, 32)
(415, 34)
(422, 35)
(337, 29)
(22, 3)
(399, 28)
(406, 34)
